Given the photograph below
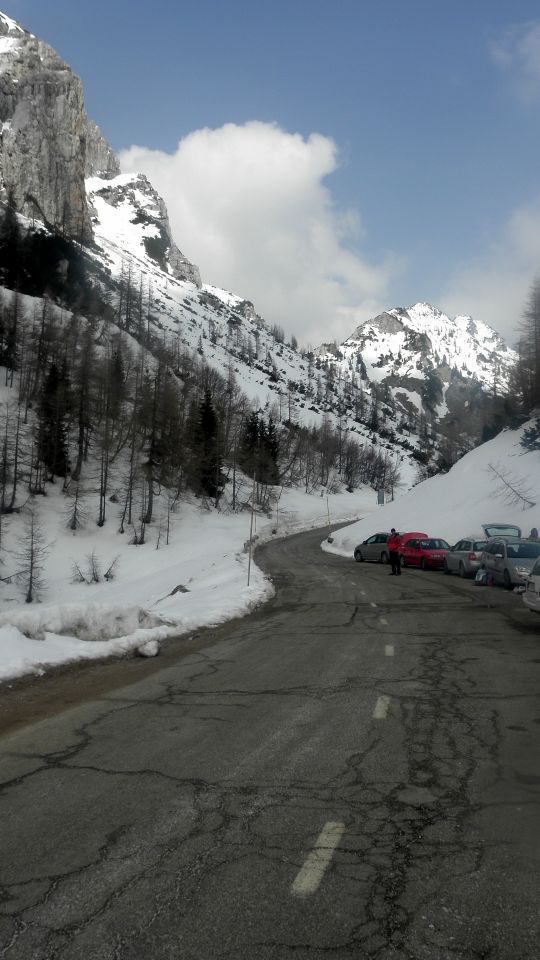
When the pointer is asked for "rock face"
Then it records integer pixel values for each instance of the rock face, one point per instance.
(43, 132)
(101, 161)
(49, 148)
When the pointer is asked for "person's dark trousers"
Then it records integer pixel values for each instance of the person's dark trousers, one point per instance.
(394, 562)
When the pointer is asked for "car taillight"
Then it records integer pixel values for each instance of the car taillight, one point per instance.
(472, 556)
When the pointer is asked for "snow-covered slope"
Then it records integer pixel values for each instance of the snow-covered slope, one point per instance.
(454, 505)
(200, 578)
(412, 364)
(221, 326)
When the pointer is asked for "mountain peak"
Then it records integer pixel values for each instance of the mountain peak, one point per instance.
(10, 27)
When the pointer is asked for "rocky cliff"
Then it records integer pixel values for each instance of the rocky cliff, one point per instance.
(100, 161)
(49, 148)
(43, 132)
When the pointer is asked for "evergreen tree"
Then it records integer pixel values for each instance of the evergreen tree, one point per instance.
(210, 473)
(259, 449)
(249, 442)
(10, 244)
(52, 439)
(529, 350)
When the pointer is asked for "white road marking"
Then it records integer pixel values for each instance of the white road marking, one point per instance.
(389, 650)
(311, 874)
(383, 621)
(363, 592)
(373, 604)
(381, 708)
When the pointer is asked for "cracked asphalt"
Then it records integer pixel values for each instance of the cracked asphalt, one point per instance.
(169, 817)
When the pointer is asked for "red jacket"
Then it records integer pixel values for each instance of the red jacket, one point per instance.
(394, 542)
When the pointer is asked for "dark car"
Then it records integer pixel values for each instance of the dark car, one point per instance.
(374, 548)
(427, 553)
(465, 556)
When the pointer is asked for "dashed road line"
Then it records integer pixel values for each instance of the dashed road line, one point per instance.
(373, 604)
(309, 878)
(383, 621)
(381, 708)
(389, 650)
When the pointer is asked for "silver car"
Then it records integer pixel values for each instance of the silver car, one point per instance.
(465, 557)
(374, 548)
(531, 597)
(510, 560)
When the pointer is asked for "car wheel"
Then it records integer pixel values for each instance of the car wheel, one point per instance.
(384, 557)
(402, 560)
(507, 580)
(423, 565)
(358, 556)
(462, 570)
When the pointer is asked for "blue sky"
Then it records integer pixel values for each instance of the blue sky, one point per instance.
(429, 111)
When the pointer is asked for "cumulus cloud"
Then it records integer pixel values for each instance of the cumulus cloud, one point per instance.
(517, 51)
(496, 285)
(249, 204)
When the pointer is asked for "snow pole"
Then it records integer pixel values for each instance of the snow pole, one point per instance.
(329, 538)
(251, 526)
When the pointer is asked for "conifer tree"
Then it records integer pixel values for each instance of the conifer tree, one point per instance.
(209, 457)
(52, 439)
(10, 244)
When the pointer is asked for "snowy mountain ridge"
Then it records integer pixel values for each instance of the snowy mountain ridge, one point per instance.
(396, 370)
(394, 342)
(411, 362)
(8, 25)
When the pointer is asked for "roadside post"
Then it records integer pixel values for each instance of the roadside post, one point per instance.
(251, 527)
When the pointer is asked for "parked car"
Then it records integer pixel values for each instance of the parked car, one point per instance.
(531, 597)
(465, 556)
(425, 552)
(406, 539)
(374, 548)
(510, 560)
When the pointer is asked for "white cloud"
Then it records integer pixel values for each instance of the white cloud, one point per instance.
(250, 206)
(517, 51)
(495, 286)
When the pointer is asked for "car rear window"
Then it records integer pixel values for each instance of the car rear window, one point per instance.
(479, 545)
(501, 530)
(434, 544)
(523, 551)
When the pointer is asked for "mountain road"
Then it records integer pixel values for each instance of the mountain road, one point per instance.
(349, 772)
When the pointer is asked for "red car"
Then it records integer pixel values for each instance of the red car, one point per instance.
(419, 550)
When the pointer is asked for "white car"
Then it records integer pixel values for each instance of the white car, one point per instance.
(531, 597)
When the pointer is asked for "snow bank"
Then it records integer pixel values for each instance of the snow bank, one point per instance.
(199, 579)
(455, 504)
(89, 621)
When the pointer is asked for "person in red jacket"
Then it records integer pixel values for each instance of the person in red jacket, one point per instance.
(394, 546)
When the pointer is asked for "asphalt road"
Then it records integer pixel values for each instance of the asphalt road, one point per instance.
(350, 772)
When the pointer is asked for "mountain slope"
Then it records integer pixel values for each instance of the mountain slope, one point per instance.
(455, 371)
(407, 382)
